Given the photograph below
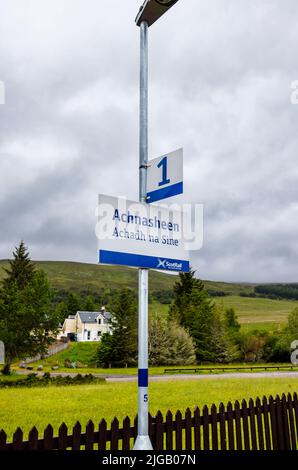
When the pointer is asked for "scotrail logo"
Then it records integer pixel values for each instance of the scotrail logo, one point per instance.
(171, 266)
(161, 264)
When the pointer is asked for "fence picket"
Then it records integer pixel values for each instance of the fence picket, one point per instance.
(286, 424)
(295, 400)
(76, 436)
(89, 435)
(266, 424)
(291, 422)
(62, 434)
(48, 438)
(17, 442)
(279, 422)
(179, 426)
(206, 436)
(115, 434)
(260, 424)
(252, 419)
(214, 432)
(159, 431)
(188, 430)
(238, 426)
(33, 439)
(231, 438)
(245, 425)
(126, 434)
(222, 427)
(169, 431)
(102, 435)
(3, 438)
(272, 410)
(197, 428)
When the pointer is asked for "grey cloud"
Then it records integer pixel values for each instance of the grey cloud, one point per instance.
(220, 75)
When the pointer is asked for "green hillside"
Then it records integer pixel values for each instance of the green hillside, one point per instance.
(71, 275)
(82, 276)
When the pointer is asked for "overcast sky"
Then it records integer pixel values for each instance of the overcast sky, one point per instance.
(220, 85)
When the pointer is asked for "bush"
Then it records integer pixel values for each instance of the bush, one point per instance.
(32, 380)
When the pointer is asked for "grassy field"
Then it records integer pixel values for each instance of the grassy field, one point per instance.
(28, 407)
(78, 276)
(70, 275)
(252, 312)
(255, 310)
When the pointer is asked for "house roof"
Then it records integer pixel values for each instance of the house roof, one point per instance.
(91, 317)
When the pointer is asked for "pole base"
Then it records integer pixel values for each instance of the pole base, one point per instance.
(143, 443)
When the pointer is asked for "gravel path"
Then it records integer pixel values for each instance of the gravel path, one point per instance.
(238, 375)
(167, 377)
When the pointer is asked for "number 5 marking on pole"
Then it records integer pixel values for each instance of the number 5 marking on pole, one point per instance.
(164, 164)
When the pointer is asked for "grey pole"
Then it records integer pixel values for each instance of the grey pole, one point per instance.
(143, 440)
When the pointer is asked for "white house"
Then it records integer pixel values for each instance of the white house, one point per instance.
(87, 326)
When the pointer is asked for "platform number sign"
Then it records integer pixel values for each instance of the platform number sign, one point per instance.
(165, 176)
(163, 164)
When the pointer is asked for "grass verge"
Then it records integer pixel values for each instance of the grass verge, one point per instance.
(26, 407)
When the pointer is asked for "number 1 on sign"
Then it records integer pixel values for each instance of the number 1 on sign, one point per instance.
(164, 164)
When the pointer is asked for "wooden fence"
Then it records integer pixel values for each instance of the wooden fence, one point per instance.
(267, 424)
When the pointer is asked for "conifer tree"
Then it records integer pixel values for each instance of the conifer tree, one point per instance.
(193, 309)
(120, 349)
(27, 321)
(21, 269)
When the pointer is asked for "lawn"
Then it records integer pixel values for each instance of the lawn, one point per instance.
(257, 311)
(28, 407)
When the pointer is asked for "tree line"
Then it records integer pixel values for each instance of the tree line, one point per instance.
(196, 330)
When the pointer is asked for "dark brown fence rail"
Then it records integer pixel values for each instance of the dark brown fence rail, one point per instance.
(267, 424)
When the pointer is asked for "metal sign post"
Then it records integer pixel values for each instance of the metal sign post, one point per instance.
(143, 440)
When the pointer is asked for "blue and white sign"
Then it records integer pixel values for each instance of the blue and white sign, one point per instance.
(140, 235)
(165, 176)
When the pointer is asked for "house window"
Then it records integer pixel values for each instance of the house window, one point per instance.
(88, 335)
(99, 321)
(99, 333)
